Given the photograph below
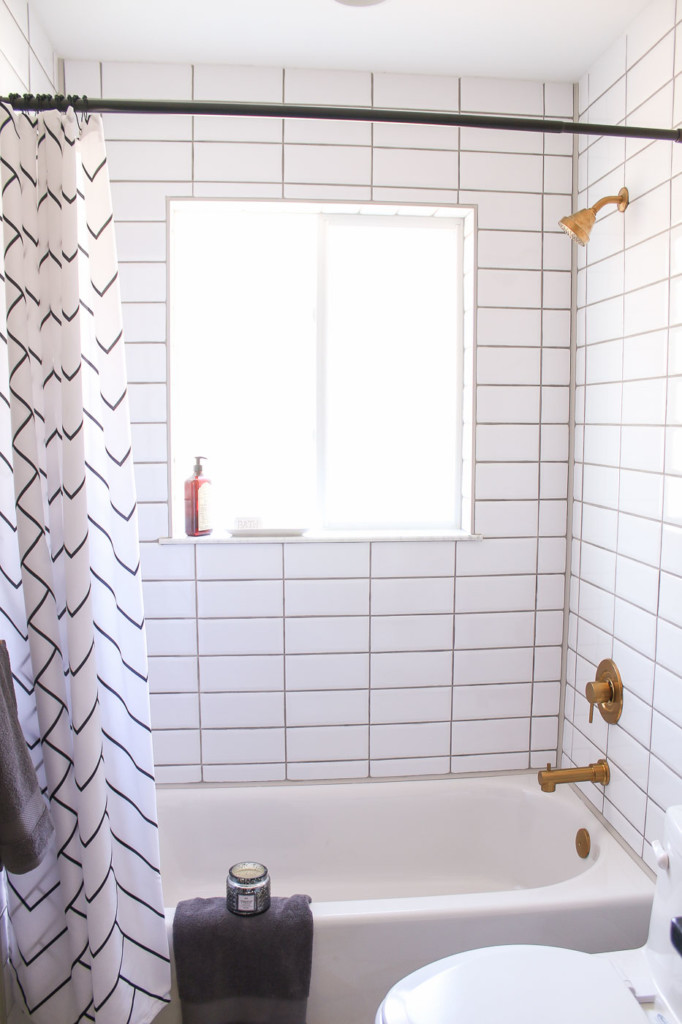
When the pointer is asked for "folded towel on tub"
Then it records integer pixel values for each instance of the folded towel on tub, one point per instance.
(25, 823)
(234, 969)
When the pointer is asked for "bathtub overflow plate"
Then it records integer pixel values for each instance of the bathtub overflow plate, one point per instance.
(583, 842)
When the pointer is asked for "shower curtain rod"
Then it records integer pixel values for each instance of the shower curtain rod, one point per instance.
(84, 104)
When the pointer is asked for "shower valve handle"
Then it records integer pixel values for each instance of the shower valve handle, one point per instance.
(606, 692)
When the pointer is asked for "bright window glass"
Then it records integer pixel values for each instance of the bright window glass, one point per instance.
(315, 361)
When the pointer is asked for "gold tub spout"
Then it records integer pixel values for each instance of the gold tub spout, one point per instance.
(598, 772)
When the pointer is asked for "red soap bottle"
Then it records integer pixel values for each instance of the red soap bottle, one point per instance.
(198, 502)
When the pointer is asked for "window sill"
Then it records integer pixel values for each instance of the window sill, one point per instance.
(318, 536)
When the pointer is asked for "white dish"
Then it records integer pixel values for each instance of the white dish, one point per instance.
(269, 532)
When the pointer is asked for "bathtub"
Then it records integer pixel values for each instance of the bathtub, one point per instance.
(405, 872)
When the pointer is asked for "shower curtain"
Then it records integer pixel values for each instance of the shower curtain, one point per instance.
(87, 938)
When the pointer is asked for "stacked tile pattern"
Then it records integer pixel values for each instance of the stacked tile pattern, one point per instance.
(626, 559)
(346, 660)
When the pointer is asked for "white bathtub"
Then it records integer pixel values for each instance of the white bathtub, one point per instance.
(405, 872)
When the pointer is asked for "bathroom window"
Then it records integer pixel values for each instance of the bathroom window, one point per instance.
(316, 362)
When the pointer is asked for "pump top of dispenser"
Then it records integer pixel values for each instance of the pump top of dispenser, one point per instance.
(198, 468)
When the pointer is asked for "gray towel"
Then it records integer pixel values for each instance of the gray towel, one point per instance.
(243, 970)
(25, 823)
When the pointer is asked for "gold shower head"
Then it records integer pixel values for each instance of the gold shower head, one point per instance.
(578, 225)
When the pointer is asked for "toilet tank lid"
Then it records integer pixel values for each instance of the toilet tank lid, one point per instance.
(514, 984)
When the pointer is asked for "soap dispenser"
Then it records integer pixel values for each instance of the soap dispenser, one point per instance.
(198, 502)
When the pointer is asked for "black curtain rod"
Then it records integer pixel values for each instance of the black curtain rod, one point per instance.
(83, 104)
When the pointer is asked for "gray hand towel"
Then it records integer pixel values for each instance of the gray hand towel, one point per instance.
(243, 970)
(25, 823)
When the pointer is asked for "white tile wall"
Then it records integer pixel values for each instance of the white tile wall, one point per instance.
(321, 660)
(625, 582)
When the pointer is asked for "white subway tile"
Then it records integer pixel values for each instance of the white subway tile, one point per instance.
(243, 598)
(500, 404)
(237, 161)
(494, 736)
(146, 364)
(409, 766)
(512, 665)
(638, 583)
(553, 480)
(489, 763)
(244, 773)
(169, 127)
(239, 561)
(505, 211)
(508, 366)
(507, 593)
(326, 597)
(508, 700)
(241, 673)
(174, 711)
(415, 136)
(648, 27)
(635, 626)
(172, 674)
(176, 746)
(411, 668)
(327, 671)
(494, 629)
(141, 241)
(507, 518)
(338, 165)
(423, 704)
(327, 770)
(501, 141)
(149, 161)
(421, 92)
(324, 743)
(332, 707)
(544, 733)
(247, 84)
(502, 96)
(147, 80)
(172, 636)
(501, 172)
(512, 481)
(636, 668)
(242, 746)
(515, 327)
(641, 494)
(240, 636)
(510, 442)
(241, 710)
(497, 557)
(412, 168)
(411, 632)
(169, 599)
(425, 739)
(320, 561)
(327, 635)
(412, 596)
(413, 558)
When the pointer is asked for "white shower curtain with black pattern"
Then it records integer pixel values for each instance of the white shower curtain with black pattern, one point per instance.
(87, 931)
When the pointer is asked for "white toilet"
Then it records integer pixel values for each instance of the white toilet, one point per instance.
(547, 985)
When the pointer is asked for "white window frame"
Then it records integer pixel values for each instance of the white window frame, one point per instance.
(464, 397)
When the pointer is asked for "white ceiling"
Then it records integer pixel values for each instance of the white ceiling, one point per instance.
(553, 40)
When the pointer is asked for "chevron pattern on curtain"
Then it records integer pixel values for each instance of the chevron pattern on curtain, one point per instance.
(87, 929)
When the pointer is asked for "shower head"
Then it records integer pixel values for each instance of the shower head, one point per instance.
(578, 225)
